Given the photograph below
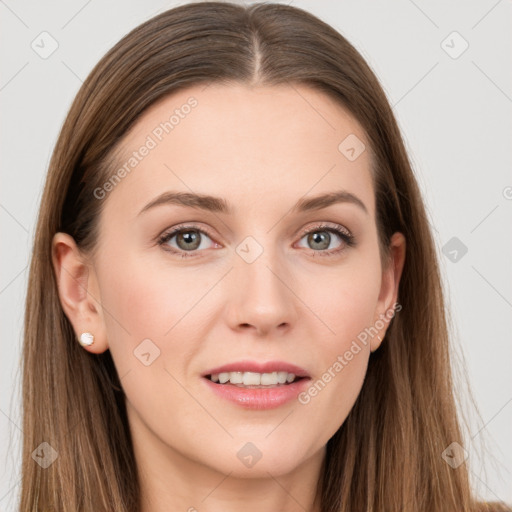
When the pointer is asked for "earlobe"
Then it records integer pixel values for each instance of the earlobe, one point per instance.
(389, 288)
(75, 278)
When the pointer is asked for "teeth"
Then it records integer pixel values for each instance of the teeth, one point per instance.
(236, 377)
(223, 377)
(281, 377)
(253, 379)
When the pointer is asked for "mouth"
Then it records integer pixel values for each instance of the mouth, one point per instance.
(254, 380)
(255, 374)
(257, 385)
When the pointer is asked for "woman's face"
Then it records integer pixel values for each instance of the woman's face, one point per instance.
(242, 282)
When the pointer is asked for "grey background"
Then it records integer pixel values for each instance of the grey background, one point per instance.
(455, 117)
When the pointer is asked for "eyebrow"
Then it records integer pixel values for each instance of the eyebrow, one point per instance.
(220, 205)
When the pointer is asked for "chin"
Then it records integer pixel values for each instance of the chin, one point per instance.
(260, 457)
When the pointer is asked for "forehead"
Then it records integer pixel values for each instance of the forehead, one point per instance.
(270, 144)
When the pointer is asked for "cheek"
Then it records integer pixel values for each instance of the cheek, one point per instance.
(333, 392)
(347, 306)
(151, 322)
(342, 361)
(148, 302)
(344, 299)
(156, 322)
(143, 312)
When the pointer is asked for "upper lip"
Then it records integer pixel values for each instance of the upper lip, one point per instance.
(258, 367)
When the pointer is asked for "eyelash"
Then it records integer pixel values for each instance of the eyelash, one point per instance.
(347, 238)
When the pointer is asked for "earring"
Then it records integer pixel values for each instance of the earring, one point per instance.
(86, 339)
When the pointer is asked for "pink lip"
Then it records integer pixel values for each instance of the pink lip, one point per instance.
(254, 366)
(259, 398)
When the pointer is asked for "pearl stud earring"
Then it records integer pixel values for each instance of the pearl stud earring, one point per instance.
(86, 339)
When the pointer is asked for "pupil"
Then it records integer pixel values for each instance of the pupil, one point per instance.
(321, 237)
(189, 237)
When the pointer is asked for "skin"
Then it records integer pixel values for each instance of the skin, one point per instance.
(261, 148)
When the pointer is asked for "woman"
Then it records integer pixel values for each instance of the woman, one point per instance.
(234, 295)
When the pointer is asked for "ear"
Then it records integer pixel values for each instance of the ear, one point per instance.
(389, 288)
(78, 291)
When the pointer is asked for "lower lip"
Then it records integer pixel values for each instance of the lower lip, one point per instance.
(258, 398)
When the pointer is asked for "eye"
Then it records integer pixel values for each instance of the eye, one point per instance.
(320, 238)
(188, 240)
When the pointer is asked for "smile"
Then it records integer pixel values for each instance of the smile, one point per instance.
(254, 379)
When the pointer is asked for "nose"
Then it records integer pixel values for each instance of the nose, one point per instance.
(262, 299)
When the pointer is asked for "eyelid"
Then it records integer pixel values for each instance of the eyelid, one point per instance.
(326, 225)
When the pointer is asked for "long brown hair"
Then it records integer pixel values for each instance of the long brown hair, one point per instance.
(387, 455)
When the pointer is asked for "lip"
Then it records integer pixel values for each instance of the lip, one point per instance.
(257, 367)
(259, 398)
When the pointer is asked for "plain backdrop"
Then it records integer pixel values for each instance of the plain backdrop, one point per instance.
(445, 67)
